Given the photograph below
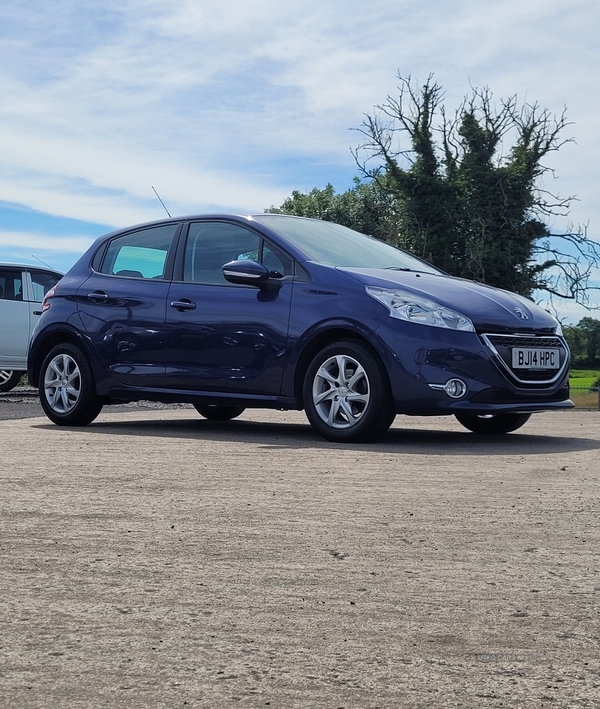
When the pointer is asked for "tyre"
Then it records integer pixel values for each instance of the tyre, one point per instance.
(347, 395)
(493, 424)
(212, 412)
(9, 379)
(67, 390)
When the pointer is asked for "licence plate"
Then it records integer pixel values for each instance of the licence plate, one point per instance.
(535, 358)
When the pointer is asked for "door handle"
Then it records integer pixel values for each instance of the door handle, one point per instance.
(184, 304)
(98, 296)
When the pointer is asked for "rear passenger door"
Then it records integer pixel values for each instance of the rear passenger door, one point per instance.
(122, 304)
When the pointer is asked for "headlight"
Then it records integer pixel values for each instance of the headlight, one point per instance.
(414, 308)
(559, 330)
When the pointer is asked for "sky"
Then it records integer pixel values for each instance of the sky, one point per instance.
(230, 105)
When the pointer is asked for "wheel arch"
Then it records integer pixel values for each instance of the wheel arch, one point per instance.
(321, 340)
(50, 340)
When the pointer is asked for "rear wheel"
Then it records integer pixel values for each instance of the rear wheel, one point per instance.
(346, 394)
(9, 379)
(493, 424)
(67, 391)
(213, 412)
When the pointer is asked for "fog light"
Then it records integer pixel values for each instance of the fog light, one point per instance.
(455, 388)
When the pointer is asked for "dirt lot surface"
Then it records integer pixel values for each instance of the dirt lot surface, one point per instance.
(154, 559)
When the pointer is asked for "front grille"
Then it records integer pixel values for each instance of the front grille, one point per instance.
(524, 341)
(502, 347)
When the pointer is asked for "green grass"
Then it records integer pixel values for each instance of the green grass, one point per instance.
(583, 378)
(581, 381)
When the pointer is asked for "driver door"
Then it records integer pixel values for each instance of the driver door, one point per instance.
(223, 337)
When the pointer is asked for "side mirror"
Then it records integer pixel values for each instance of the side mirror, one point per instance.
(246, 272)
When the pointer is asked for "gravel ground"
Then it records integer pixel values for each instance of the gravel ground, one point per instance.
(154, 559)
(23, 402)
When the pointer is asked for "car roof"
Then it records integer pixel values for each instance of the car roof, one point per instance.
(235, 216)
(28, 266)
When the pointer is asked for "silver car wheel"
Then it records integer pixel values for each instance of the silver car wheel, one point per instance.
(341, 391)
(9, 379)
(62, 384)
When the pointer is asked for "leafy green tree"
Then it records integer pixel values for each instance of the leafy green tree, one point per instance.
(591, 330)
(467, 189)
(365, 207)
(584, 342)
(576, 339)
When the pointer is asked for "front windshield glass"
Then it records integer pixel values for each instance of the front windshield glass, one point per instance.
(336, 245)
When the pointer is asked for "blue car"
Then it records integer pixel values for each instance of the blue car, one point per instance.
(227, 312)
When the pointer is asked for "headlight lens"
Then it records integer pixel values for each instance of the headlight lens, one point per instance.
(414, 308)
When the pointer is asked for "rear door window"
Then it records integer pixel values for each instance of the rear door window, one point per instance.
(41, 282)
(140, 254)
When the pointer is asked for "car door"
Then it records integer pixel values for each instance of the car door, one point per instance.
(15, 320)
(122, 305)
(223, 337)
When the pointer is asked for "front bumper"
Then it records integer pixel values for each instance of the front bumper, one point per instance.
(419, 357)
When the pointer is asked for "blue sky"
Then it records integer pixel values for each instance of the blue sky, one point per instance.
(232, 104)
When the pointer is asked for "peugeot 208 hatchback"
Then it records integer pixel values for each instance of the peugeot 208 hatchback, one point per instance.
(229, 312)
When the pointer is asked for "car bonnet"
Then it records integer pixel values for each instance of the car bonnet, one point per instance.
(486, 306)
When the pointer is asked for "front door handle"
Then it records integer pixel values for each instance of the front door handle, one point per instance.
(184, 304)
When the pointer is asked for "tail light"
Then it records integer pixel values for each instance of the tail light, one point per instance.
(47, 298)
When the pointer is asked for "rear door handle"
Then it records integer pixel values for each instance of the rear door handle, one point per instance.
(184, 304)
(98, 296)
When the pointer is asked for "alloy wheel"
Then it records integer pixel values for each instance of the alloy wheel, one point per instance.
(62, 383)
(341, 391)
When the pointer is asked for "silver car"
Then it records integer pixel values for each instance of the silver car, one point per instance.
(22, 289)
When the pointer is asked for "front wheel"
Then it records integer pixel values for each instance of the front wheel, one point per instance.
(347, 395)
(9, 379)
(67, 391)
(213, 412)
(494, 423)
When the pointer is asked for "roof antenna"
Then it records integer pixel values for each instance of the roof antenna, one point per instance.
(160, 200)
(40, 260)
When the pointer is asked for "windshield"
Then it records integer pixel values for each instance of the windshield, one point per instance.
(336, 245)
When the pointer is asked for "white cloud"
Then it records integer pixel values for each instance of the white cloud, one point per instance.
(31, 241)
(31, 246)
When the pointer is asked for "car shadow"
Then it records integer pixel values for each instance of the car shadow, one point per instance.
(286, 435)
